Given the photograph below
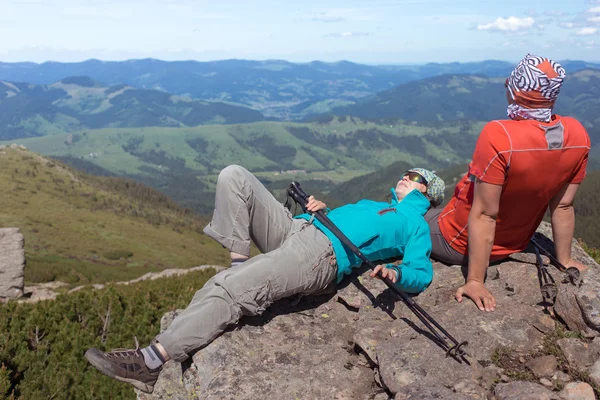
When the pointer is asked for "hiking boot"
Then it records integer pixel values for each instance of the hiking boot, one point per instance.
(125, 365)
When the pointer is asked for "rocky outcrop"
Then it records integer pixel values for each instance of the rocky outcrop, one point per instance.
(362, 343)
(12, 263)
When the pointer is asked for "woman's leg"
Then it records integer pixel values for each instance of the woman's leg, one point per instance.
(302, 264)
(246, 211)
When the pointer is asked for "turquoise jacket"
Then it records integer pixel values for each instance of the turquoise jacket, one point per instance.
(385, 230)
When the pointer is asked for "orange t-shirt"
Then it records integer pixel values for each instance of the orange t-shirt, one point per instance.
(532, 160)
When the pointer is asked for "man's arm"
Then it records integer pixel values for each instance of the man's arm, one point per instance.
(563, 223)
(482, 229)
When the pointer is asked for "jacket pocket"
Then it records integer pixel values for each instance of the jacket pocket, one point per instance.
(366, 241)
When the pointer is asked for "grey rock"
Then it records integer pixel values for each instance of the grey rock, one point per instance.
(568, 308)
(578, 306)
(577, 391)
(579, 354)
(544, 366)
(546, 382)
(470, 389)
(370, 345)
(561, 377)
(522, 391)
(594, 372)
(381, 396)
(421, 392)
(12, 263)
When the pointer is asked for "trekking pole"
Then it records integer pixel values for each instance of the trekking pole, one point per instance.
(455, 350)
(572, 272)
(547, 284)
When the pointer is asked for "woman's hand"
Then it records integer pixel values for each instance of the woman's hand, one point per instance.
(385, 272)
(314, 205)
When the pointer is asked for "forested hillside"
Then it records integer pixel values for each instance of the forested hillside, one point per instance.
(184, 162)
(77, 103)
(470, 97)
(84, 229)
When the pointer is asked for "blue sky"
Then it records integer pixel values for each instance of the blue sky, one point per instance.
(364, 31)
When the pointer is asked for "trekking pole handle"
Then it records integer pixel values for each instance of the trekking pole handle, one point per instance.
(295, 192)
(296, 187)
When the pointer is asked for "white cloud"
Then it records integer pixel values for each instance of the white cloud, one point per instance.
(587, 31)
(567, 25)
(510, 24)
(347, 34)
(328, 17)
(594, 20)
(594, 10)
(332, 15)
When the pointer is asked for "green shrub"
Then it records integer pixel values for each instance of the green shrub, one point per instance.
(5, 383)
(42, 344)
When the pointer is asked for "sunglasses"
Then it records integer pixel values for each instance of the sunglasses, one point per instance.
(414, 177)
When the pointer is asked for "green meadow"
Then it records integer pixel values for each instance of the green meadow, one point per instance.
(82, 229)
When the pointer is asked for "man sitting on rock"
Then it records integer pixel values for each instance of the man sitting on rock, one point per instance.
(300, 256)
(521, 167)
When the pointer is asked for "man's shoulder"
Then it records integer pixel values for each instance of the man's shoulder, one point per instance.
(572, 123)
(575, 130)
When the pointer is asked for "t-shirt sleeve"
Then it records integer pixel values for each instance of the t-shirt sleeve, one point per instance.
(578, 131)
(492, 154)
(581, 170)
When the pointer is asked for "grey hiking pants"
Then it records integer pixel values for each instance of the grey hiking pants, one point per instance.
(440, 249)
(296, 258)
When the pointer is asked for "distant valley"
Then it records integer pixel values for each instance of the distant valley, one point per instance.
(184, 162)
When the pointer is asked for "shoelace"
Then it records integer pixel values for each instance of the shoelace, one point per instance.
(126, 352)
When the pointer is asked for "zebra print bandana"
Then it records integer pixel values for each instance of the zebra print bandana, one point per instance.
(534, 86)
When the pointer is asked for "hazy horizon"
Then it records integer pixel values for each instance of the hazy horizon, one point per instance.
(375, 32)
(281, 60)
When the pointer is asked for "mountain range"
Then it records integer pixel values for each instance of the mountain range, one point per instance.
(78, 103)
(474, 97)
(278, 89)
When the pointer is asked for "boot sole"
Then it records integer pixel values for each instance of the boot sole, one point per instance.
(99, 364)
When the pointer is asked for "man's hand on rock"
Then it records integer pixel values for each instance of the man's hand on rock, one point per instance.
(576, 264)
(477, 292)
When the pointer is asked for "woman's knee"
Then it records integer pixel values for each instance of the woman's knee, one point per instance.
(251, 293)
(232, 172)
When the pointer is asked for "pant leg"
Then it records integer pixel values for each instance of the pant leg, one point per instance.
(303, 264)
(440, 249)
(246, 211)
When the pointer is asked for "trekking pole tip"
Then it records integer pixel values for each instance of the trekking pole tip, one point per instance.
(457, 350)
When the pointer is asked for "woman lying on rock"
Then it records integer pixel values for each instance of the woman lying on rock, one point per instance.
(299, 256)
